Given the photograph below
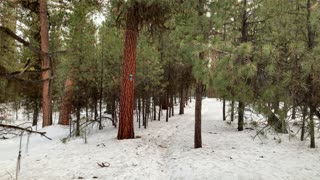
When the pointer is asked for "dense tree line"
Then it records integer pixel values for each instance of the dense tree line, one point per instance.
(148, 56)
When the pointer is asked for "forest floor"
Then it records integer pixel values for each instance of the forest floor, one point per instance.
(164, 151)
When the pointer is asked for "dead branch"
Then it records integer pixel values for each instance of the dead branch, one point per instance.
(25, 129)
(27, 44)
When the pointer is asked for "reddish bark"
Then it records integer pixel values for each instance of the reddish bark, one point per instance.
(126, 130)
(66, 105)
(45, 65)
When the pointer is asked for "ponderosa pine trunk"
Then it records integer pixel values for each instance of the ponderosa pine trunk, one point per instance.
(45, 64)
(66, 105)
(126, 130)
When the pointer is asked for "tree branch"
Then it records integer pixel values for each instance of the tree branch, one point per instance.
(24, 129)
(19, 39)
(27, 44)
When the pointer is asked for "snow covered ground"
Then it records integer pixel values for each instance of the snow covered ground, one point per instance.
(164, 151)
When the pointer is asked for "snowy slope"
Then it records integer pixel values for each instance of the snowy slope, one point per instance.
(165, 151)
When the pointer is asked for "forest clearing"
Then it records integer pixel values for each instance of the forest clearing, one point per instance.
(159, 89)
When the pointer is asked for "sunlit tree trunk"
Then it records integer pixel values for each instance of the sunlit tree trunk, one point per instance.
(126, 130)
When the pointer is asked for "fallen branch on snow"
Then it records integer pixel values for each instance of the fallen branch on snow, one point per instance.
(29, 130)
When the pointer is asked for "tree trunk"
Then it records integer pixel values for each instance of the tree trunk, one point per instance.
(114, 111)
(199, 90)
(35, 112)
(147, 110)
(126, 130)
(45, 64)
(187, 96)
(311, 42)
(181, 101)
(66, 105)
(154, 108)
(293, 110)
(244, 38)
(197, 131)
(139, 112)
(87, 111)
(95, 106)
(304, 113)
(240, 115)
(78, 109)
(167, 114)
(224, 109)
(144, 113)
(100, 98)
(232, 110)
(172, 104)
(169, 102)
(311, 130)
(160, 108)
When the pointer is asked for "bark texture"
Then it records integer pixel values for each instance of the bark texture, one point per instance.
(66, 106)
(45, 65)
(126, 130)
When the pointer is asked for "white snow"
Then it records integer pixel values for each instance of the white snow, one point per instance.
(164, 151)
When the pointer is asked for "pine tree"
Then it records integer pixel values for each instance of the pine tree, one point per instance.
(137, 13)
